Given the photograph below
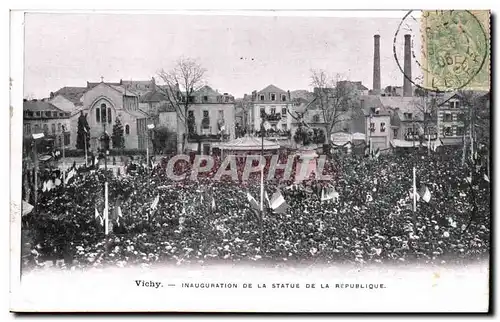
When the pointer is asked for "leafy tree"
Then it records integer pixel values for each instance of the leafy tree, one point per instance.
(83, 132)
(117, 137)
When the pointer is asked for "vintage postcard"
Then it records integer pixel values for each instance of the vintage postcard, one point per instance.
(267, 161)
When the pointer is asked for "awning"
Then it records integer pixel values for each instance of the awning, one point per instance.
(404, 144)
(248, 143)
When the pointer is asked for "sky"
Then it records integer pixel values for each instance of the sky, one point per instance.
(240, 53)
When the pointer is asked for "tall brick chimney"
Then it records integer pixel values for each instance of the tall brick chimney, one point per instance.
(407, 88)
(376, 65)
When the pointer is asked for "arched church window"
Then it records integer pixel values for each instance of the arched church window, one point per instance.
(127, 129)
(97, 114)
(109, 115)
(103, 113)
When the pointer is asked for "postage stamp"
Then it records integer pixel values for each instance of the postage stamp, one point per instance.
(456, 49)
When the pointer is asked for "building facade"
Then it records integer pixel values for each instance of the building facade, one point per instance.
(210, 119)
(276, 103)
(104, 103)
(44, 117)
(451, 119)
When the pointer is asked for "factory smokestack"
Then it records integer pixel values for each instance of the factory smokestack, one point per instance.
(376, 65)
(407, 88)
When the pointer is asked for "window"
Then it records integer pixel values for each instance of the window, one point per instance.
(273, 110)
(127, 129)
(447, 131)
(409, 116)
(283, 112)
(382, 127)
(427, 116)
(409, 131)
(461, 117)
(395, 133)
(261, 97)
(58, 127)
(103, 113)
(460, 130)
(221, 114)
(27, 128)
(109, 115)
(284, 127)
(205, 114)
(191, 99)
(66, 138)
(190, 114)
(97, 114)
(226, 99)
(48, 113)
(61, 114)
(273, 96)
(205, 98)
(262, 111)
(283, 97)
(447, 117)
(37, 128)
(53, 129)
(455, 104)
(372, 127)
(46, 128)
(316, 118)
(54, 114)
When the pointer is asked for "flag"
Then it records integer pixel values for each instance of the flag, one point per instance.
(71, 174)
(154, 204)
(213, 203)
(411, 195)
(253, 203)
(278, 203)
(119, 215)
(96, 215)
(329, 193)
(44, 186)
(486, 178)
(425, 194)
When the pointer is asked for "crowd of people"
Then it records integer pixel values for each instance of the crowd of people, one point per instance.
(201, 221)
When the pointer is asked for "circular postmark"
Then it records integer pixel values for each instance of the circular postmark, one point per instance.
(449, 48)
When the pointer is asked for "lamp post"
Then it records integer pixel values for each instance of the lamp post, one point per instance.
(35, 156)
(150, 128)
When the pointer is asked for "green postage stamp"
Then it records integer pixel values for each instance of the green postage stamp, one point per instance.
(456, 49)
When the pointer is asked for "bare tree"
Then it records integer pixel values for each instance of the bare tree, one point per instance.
(181, 82)
(426, 107)
(336, 98)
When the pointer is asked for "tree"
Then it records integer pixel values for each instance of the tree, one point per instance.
(336, 99)
(117, 137)
(164, 139)
(181, 82)
(83, 132)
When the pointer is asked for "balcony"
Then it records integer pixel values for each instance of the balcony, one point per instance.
(279, 134)
(416, 137)
(194, 137)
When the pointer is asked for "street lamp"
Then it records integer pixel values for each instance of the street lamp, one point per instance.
(150, 129)
(36, 136)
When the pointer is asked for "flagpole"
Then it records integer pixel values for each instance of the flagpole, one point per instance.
(262, 185)
(63, 155)
(414, 190)
(36, 175)
(106, 215)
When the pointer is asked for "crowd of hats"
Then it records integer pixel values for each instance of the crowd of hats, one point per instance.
(198, 222)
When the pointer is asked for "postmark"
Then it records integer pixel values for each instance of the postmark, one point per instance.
(455, 50)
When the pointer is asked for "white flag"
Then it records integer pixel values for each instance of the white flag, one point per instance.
(425, 194)
(486, 178)
(253, 203)
(96, 215)
(155, 202)
(213, 203)
(277, 200)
